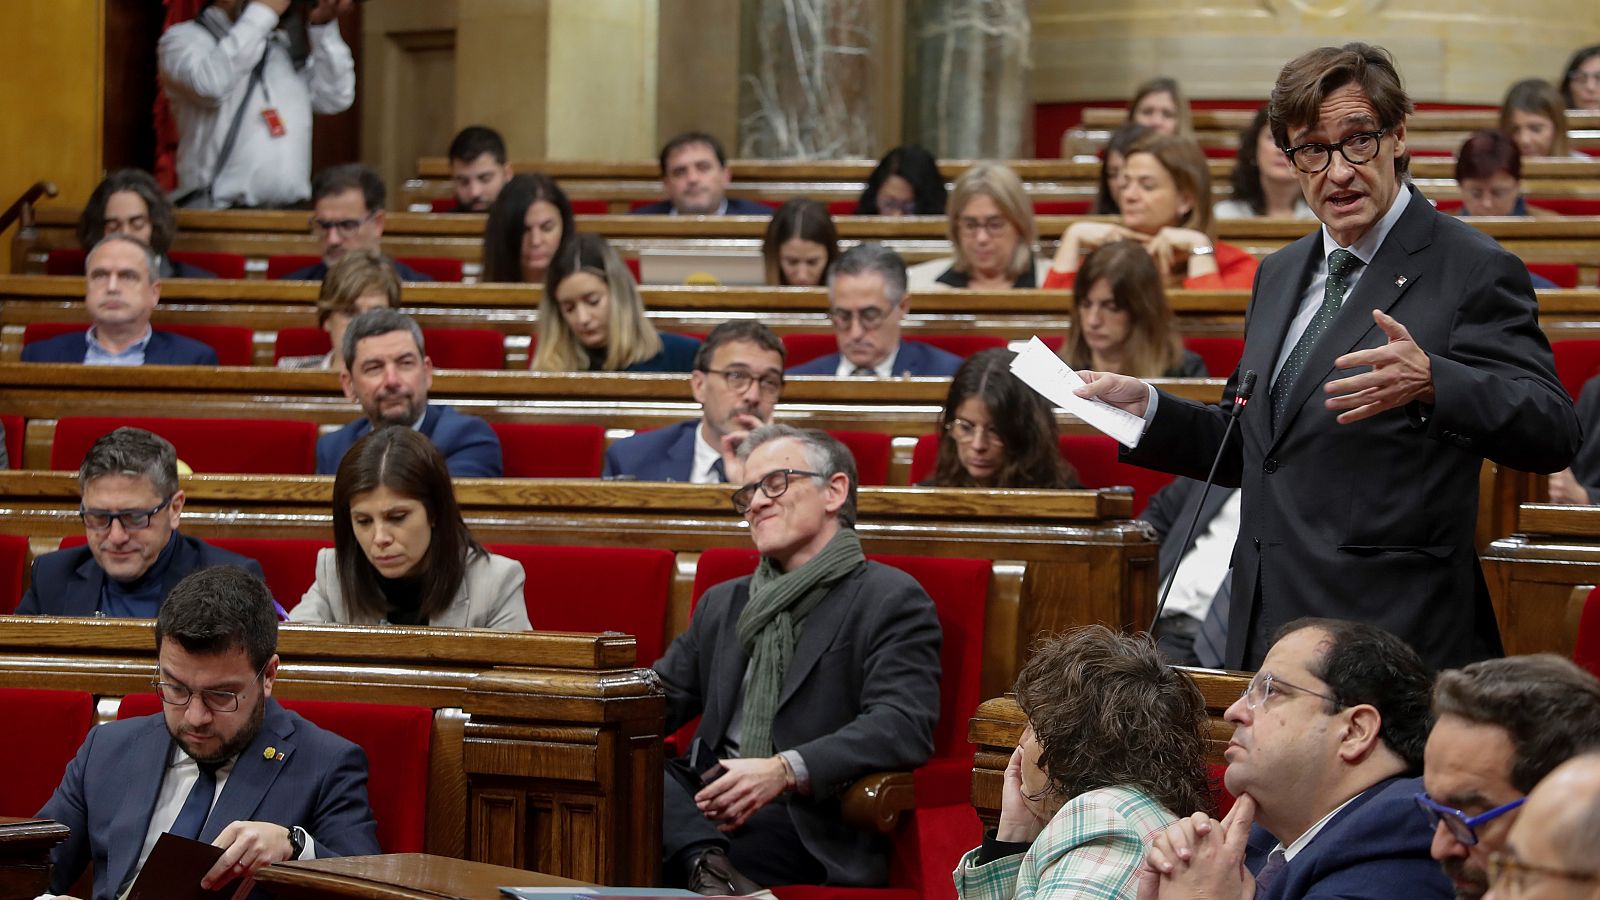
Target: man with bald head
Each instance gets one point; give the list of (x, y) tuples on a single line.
[(1550, 852)]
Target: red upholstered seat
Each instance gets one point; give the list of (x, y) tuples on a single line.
[(962, 345), (1565, 275), (301, 342), (396, 739), (1221, 354), (465, 348), (437, 268), (55, 723), (290, 564), (234, 343), (13, 571), (1095, 458), (64, 261), (1586, 649), (590, 207), (15, 427), (1577, 361), (804, 347), (541, 450), (871, 450), (283, 265), (598, 589), (253, 446), (222, 265), (842, 207), (1568, 206), (1062, 207), (442, 204)]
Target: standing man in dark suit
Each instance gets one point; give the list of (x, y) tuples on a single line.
[(123, 290), (867, 303), (1326, 745), (1397, 348), (820, 668), (134, 556), (222, 763), (694, 172), (387, 371), (738, 379)]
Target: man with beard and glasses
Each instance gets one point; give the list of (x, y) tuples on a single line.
[(222, 763), (388, 372), (738, 379), (1501, 726)]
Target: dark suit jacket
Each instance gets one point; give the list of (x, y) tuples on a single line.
[(736, 207), (1374, 520), (470, 447), (861, 695), (164, 349), (319, 271), (914, 358), (1586, 465), (1374, 849), (109, 793), (665, 454), (68, 582)]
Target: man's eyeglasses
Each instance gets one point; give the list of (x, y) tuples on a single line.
[(774, 484), (131, 519), (995, 225), (966, 432), (870, 318), (345, 227), (1266, 685), (739, 381), (216, 701), (1461, 827), (1357, 149), (1515, 873)]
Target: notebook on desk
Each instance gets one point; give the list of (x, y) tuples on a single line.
[(701, 267)]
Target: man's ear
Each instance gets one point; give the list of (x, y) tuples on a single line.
[(838, 491), (175, 508), (377, 222), (697, 386), (345, 382), (1399, 140), (269, 674), (1363, 725)]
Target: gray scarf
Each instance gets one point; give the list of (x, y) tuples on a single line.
[(769, 627)]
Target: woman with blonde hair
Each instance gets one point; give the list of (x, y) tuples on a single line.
[(1535, 117), (992, 231), (591, 318), (358, 282), (1159, 105), (1121, 321), (1166, 207)]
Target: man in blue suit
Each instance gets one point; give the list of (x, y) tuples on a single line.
[(222, 763), (388, 372), (135, 556), (738, 378), (1326, 745), (123, 291), (694, 172), (867, 302)]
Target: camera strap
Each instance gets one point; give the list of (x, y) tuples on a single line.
[(256, 77)]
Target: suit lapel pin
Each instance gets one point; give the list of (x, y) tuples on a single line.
[(269, 753), (1399, 281)]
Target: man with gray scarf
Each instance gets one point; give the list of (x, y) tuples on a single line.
[(818, 669)]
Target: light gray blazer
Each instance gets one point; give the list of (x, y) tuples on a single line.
[(489, 597)]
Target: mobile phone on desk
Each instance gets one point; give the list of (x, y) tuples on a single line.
[(700, 756)]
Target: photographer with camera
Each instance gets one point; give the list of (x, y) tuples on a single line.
[(244, 77)]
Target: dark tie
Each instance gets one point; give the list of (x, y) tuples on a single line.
[(1211, 644), (197, 806), (718, 470), (1340, 264), (864, 370), (1269, 872)]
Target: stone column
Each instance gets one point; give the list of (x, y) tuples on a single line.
[(969, 96)]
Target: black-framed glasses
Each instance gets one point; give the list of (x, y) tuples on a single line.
[(131, 519), (1358, 149), (1265, 685), (1578, 76), (1462, 827), (1515, 872), (870, 318), (216, 701), (994, 225), (739, 380), (773, 484), (966, 432), (345, 227)]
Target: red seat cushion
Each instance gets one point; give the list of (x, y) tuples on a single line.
[(301, 342), (598, 589), (1568, 206), (286, 264), (234, 344), (397, 741), (253, 446), (962, 345), (1565, 275), (465, 348), (55, 723), (1577, 361), (1062, 207), (1221, 354), (1586, 649), (15, 427), (437, 268), (64, 261), (872, 451), (290, 564), (803, 348), (222, 265), (541, 450), (1094, 456), (13, 571)]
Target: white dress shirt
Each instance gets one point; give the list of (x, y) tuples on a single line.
[(206, 80), (1199, 573), (702, 471), (885, 369)]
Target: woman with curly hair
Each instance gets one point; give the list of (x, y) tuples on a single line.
[(1115, 743), (997, 431)]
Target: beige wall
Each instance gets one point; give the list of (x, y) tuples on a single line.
[(600, 95), (50, 100)]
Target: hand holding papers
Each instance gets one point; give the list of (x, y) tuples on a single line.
[(1046, 373)]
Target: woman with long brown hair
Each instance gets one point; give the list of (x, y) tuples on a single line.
[(1121, 321), (997, 432)]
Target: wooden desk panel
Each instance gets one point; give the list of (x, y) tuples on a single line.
[(25, 846), (399, 876)]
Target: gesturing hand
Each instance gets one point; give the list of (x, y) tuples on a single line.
[(1401, 372)]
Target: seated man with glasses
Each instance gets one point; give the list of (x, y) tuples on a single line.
[(817, 670), (1501, 726), (737, 379), (134, 556), (866, 302), (1327, 741), (1550, 851), (221, 763), (347, 214)]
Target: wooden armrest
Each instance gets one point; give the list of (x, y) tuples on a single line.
[(875, 802)]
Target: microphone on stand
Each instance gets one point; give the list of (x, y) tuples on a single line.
[(1241, 399)]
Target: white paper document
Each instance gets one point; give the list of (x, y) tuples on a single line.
[(1048, 374)]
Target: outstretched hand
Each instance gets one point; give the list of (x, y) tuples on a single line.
[(1401, 372)]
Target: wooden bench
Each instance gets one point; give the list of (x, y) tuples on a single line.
[(1540, 575), (545, 749)]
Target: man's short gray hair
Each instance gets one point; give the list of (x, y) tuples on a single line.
[(375, 322), (823, 453), (135, 453), (869, 259), (152, 263)]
